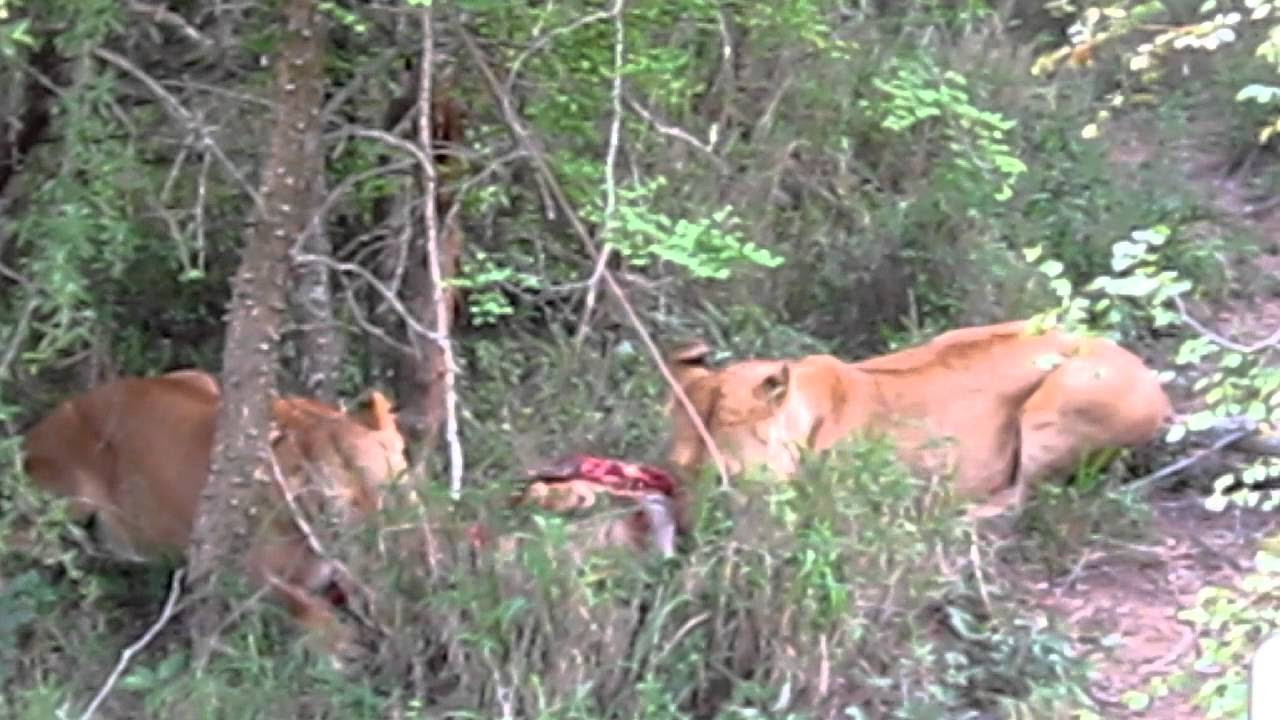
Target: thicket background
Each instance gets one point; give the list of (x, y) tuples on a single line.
[(777, 178)]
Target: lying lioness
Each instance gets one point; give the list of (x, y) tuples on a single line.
[(133, 457), (1000, 407)]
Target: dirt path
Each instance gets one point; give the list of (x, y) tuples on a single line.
[(1122, 606)]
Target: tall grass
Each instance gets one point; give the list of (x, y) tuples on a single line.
[(848, 592)]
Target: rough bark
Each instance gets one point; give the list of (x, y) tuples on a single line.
[(319, 342), (241, 451), (421, 372)]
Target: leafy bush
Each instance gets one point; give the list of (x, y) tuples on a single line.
[(848, 591)]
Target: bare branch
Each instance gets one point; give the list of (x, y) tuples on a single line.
[(300, 522), (1194, 324), (367, 69), (424, 158), (678, 132), (369, 327), (610, 173), (1187, 462), (523, 136), (165, 16), (175, 590), (342, 188), (389, 296), (439, 298), (196, 127), (543, 40)]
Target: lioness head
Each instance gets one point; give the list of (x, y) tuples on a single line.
[(359, 452), (745, 409)]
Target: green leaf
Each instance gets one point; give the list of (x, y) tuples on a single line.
[(1051, 268), (1258, 93), (1134, 286), (1135, 700), (1267, 562), (1151, 236), (1202, 420), (1125, 254)]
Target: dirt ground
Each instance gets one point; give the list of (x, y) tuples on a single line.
[(1122, 606), (1135, 595)]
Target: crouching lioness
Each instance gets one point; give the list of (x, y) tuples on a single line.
[(999, 407), (133, 456)]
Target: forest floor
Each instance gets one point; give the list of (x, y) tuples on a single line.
[(1135, 594)]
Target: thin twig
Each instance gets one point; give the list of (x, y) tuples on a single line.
[(334, 195), (424, 158), (610, 174), (357, 313), (1187, 462), (390, 297), (543, 40), (593, 288), (439, 298), (165, 16), (16, 337), (188, 119), (678, 133), (175, 590), (310, 472), (1270, 341), (523, 136)]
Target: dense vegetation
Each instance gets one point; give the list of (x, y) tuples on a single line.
[(777, 178)]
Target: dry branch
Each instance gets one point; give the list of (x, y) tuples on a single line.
[(610, 172), (188, 119), (1270, 341), (175, 590), (525, 139), (165, 16), (439, 298)]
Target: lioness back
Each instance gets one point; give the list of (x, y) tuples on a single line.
[(134, 454), (992, 406), (103, 447)]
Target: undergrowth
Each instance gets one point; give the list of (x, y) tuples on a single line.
[(848, 592)]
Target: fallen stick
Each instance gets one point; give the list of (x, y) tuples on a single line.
[(175, 589)]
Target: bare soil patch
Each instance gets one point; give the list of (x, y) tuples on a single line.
[(1121, 606)]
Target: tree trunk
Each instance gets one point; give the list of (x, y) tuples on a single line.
[(421, 373), (320, 344), (241, 451)]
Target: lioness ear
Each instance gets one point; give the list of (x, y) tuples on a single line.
[(694, 353), (378, 414), (773, 388)]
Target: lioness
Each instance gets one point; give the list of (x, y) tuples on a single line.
[(133, 457), (998, 406)]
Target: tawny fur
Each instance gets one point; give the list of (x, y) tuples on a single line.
[(134, 454), (999, 407)]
